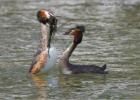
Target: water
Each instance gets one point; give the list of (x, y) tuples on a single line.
[(112, 37)]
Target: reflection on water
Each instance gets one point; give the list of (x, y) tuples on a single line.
[(112, 37), (41, 85)]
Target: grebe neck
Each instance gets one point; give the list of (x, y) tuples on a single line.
[(44, 36), (67, 53)]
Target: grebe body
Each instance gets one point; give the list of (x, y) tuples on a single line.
[(46, 56), (69, 68)]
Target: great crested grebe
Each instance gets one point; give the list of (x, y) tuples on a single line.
[(46, 55), (69, 68)]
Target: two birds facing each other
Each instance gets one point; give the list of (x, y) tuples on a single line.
[(46, 56)]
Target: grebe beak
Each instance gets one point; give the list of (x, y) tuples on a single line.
[(71, 31), (66, 33)]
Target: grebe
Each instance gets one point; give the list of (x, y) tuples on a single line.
[(69, 68), (46, 55)]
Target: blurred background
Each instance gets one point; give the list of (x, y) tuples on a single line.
[(112, 36)]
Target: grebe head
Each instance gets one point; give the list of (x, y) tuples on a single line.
[(45, 17), (77, 32)]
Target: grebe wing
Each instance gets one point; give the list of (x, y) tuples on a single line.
[(37, 52), (39, 61), (34, 60)]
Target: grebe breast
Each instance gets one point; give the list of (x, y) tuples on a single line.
[(51, 61)]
